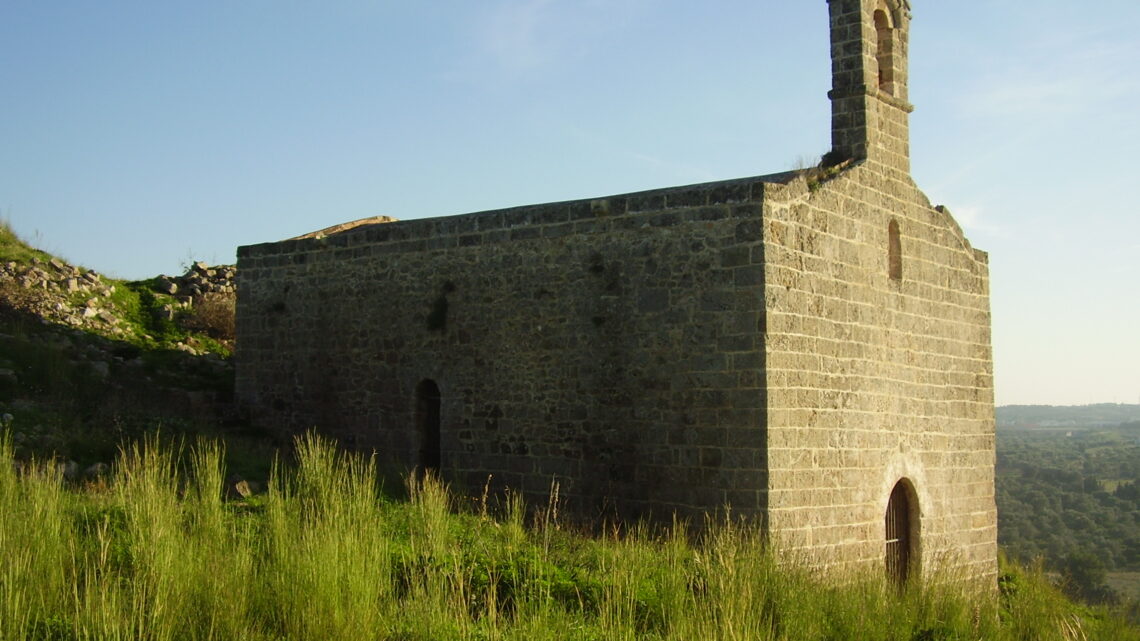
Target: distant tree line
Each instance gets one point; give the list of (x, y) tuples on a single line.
[(1099, 415), (1073, 499)]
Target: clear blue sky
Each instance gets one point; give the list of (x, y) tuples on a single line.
[(137, 135)]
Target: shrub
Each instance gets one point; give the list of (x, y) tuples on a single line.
[(213, 314)]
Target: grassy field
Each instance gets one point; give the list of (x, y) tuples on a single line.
[(154, 552), (1127, 584)]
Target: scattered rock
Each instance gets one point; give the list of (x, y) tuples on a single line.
[(239, 488), (243, 489), (69, 470), (167, 286), (200, 280), (97, 470), (101, 369), (8, 377)]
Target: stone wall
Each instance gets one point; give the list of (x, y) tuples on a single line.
[(739, 343), (613, 346), (873, 379)]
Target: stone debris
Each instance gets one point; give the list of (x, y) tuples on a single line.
[(101, 369), (167, 286), (79, 298), (201, 279), (96, 470), (69, 470), (240, 488)]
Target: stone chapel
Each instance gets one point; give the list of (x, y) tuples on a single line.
[(808, 348)]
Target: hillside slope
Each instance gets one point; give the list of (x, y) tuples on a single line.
[(88, 362)]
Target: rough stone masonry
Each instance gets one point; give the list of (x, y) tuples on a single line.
[(808, 348)]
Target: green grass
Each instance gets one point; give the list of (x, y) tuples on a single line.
[(1127, 584), (155, 553), (137, 304), (12, 248)]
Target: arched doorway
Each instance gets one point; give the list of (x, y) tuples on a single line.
[(428, 425), (901, 532)]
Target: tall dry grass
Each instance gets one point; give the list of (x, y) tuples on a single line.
[(156, 553)]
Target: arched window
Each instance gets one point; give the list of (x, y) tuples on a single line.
[(901, 532), (884, 53), (428, 425), (894, 251)]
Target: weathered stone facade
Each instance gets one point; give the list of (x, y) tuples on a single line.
[(801, 347)]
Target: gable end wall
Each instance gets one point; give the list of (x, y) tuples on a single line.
[(871, 379)]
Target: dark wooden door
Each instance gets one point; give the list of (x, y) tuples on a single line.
[(899, 543), (428, 425)]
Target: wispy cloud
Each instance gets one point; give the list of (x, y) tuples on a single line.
[(521, 35), (1022, 99), (514, 33), (1076, 76), (684, 172), (973, 219)]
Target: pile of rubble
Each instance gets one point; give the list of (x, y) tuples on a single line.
[(63, 293), (83, 299), (56, 276), (200, 280)]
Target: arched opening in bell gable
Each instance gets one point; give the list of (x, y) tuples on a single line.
[(885, 50)]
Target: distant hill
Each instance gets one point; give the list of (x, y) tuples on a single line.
[(1062, 416)]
